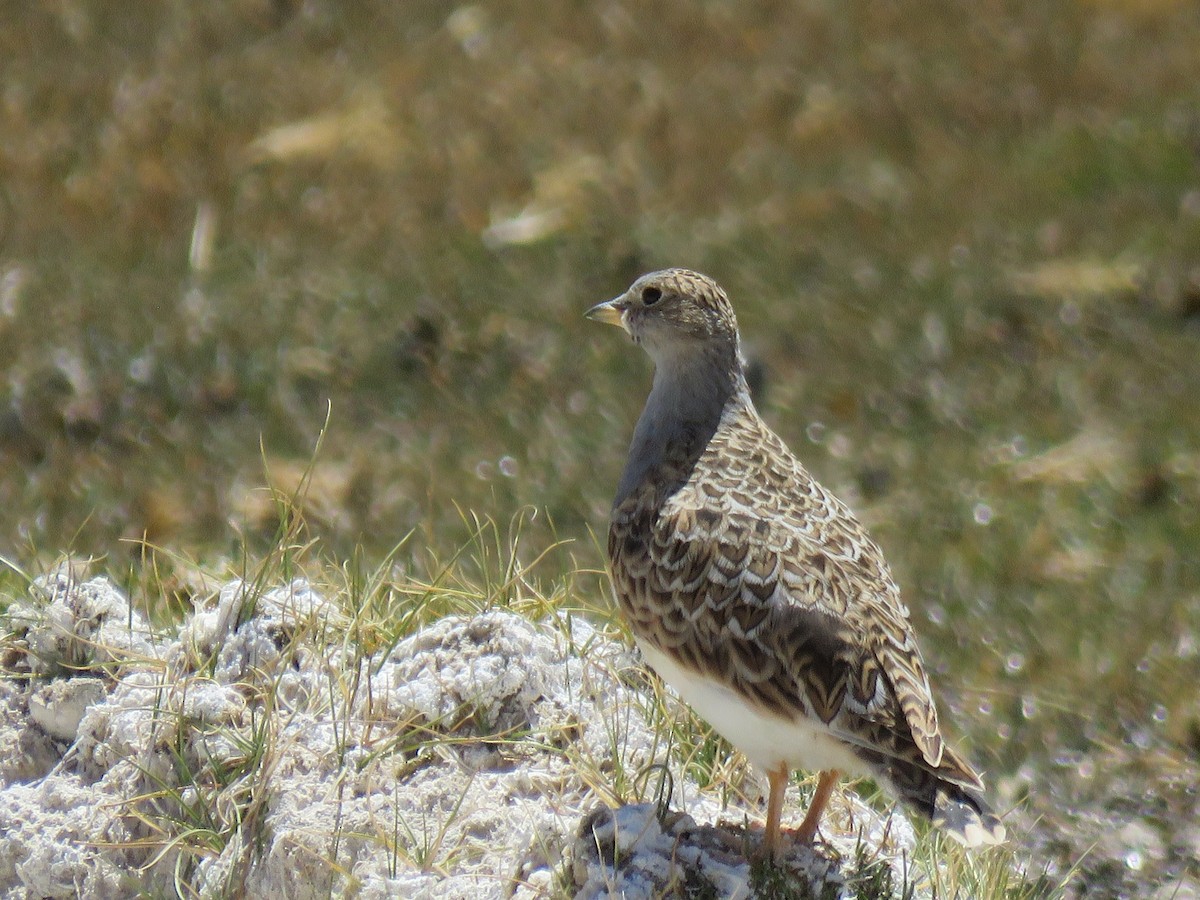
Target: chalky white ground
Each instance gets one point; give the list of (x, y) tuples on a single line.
[(95, 707)]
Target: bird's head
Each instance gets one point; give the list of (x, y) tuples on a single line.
[(673, 311)]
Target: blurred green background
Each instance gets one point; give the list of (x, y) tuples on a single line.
[(963, 241)]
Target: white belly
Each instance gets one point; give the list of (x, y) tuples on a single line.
[(766, 740)]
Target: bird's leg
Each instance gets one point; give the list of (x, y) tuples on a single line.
[(808, 828), (777, 780)]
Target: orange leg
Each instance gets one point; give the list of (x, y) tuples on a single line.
[(777, 780), (808, 828)]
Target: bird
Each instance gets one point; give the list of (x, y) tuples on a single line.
[(756, 594)]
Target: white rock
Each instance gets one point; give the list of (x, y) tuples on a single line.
[(74, 624), (58, 707)]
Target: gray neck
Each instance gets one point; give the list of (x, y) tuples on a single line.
[(686, 402)]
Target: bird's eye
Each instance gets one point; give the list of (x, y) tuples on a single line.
[(651, 295)]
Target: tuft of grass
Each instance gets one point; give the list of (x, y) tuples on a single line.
[(872, 878), (768, 879)]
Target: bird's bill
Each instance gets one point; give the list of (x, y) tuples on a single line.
[(610, 312)]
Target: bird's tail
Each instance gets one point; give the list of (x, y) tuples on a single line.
[(949, 801), (965, 816)]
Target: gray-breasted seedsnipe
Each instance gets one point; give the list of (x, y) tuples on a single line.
[(755, 593)]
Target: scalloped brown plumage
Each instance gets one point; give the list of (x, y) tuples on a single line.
[(755, 592)]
